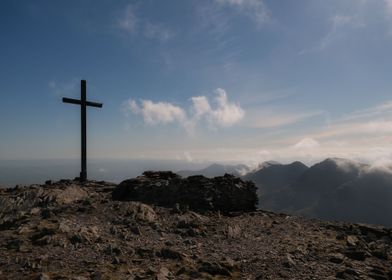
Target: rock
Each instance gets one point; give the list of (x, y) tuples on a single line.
[(168, 253), (141, 212), (96, 275), (135, 230), (163, 274), (76, 238), (112, 250), (35, 211), (65, 227), (113, 230), (116, 260), (352, 240), (9, 222), (348, 273), (336, 258), (80, 278), (234, 231), (43, 235), (87, 234), (381, 253), (379, 250), (340, 236), (288, 262), (191, 220), (46, 213), (68, 195), (214, 269), (77, 233), (146, 253), (14, 244), (356, 254), (45, 240), (43, 276), (226, 193), (378, 276)]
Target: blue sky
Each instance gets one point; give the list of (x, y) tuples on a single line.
[(220, 80)]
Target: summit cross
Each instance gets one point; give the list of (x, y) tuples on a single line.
[(83, 112)]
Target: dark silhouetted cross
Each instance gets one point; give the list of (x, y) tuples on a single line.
[(83, 106)]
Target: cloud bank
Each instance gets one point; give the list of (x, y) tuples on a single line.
[(223, 113)]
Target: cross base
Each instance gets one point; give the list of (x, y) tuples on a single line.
[(83, 177)]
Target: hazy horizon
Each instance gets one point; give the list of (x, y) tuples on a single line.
[(37, 171), (26, 172)]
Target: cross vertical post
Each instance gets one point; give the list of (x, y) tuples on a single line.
[(83, 173), (83, 124)]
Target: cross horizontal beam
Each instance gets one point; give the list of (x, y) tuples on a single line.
[(79, 102)]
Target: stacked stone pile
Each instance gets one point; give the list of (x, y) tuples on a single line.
[(225, 193)]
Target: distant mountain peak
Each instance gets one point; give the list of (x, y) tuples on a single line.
[(299, 163), (216, 169)]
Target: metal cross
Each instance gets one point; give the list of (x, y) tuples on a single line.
[(83, 106)]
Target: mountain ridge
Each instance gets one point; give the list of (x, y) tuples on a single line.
[(333, 188)]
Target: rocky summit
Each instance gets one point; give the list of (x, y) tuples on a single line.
[(154, 227)]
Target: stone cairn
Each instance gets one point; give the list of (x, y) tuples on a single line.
[(225, 193)]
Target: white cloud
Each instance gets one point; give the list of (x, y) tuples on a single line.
[(339, 25), (371, 129), (383, 164), (128, 21), (201, 106), (158, 113), (255, 9), (225, 113), (381, 109), (134, 107), (339, 20), (158, 31), (306, 144), (271, 117), (370, 122)]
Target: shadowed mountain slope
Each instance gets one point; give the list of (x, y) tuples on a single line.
[(272, 176), (337, 189), (366, 199)]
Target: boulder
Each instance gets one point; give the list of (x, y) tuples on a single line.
[(141, 212), (225, 193)]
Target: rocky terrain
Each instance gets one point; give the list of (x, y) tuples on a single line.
[(69, 230)]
